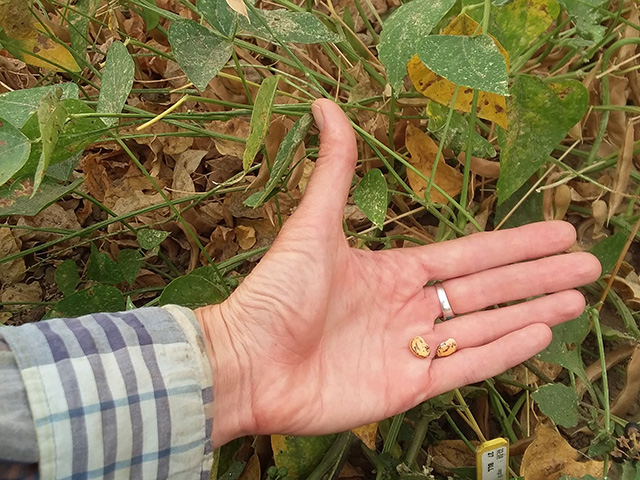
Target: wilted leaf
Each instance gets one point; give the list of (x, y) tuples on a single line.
[(21, 293), (199, 52), (283, 159), (117, 80), (287, 26), (371, 196), (550, 456), (14, 150), (540, 116), (23, 37), (18, 106), (218, 14), (75, 135), (491, 107), (67, 277), (51, 118), (100, 298), (608, 251), (129, 262), (260, 119), (186, 163), (474, 62), (17, 199), (299, 455), (401, 32), (245, 236), (559, 403), (522, 21), (423, 152), (149, 239), (627, 397), (102, 269)]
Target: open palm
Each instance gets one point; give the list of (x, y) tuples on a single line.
[(316, 339)]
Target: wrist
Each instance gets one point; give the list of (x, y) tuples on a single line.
[(232, 413)]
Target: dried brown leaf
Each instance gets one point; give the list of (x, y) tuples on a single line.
[(236, 127), (10, 272), (367, 433), (246, 237), (619, 93), (450, 454), (186, 164), (623, 171), (481, 166), (21, 293), (550, 457), (629, 393), (423, 152)]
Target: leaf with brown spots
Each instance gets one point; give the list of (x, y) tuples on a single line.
[(491, 107), (28, 40), (423, 152)]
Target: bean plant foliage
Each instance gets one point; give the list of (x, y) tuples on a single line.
[(151, 150)]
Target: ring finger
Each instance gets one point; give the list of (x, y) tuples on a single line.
[(514, 282)]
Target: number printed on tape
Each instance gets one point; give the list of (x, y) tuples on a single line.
[(493, 460)]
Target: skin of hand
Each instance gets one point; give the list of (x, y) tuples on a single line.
[(316, 338)]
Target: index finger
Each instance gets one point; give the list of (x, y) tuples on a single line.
[(484, 250)]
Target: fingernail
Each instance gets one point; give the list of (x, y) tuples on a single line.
[(317, 115)]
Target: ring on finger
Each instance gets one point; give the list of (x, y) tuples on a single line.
[(445, 305)]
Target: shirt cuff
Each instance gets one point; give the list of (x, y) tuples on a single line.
[(123, 395)]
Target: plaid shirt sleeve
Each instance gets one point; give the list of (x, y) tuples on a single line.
[(113, 395)]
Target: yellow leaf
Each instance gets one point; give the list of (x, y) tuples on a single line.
[(491, 107), (367, 433), (423, 152), (24, 37), (550, 457), (239, 7)]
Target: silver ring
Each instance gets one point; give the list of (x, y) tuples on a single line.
[(447, 311)]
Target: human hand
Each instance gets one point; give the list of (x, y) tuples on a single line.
[(316, 338)]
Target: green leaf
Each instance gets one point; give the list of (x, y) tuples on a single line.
[(79, 17), (585, 14), (67, 277), (474, 62), (402, 31), (371, 196), (218, 14), (529, 211), (76, 134), (299, 455), (564, 349), (458, 131), (540, 116), (191, 291), (149, 239), (559, 403), (260, 119), (284, 157), (150, 16), (117, 80), (608, 251), (51, 119), (14, 150), (630, 471), (199, 52), (130, 262), (287, 26), (102, 269), (18, 106), (100, 298), (18, 198), (517, 24)]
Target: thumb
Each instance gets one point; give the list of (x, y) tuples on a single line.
[(328, 188)]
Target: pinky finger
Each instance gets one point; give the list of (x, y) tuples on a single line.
[(473, 365)]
